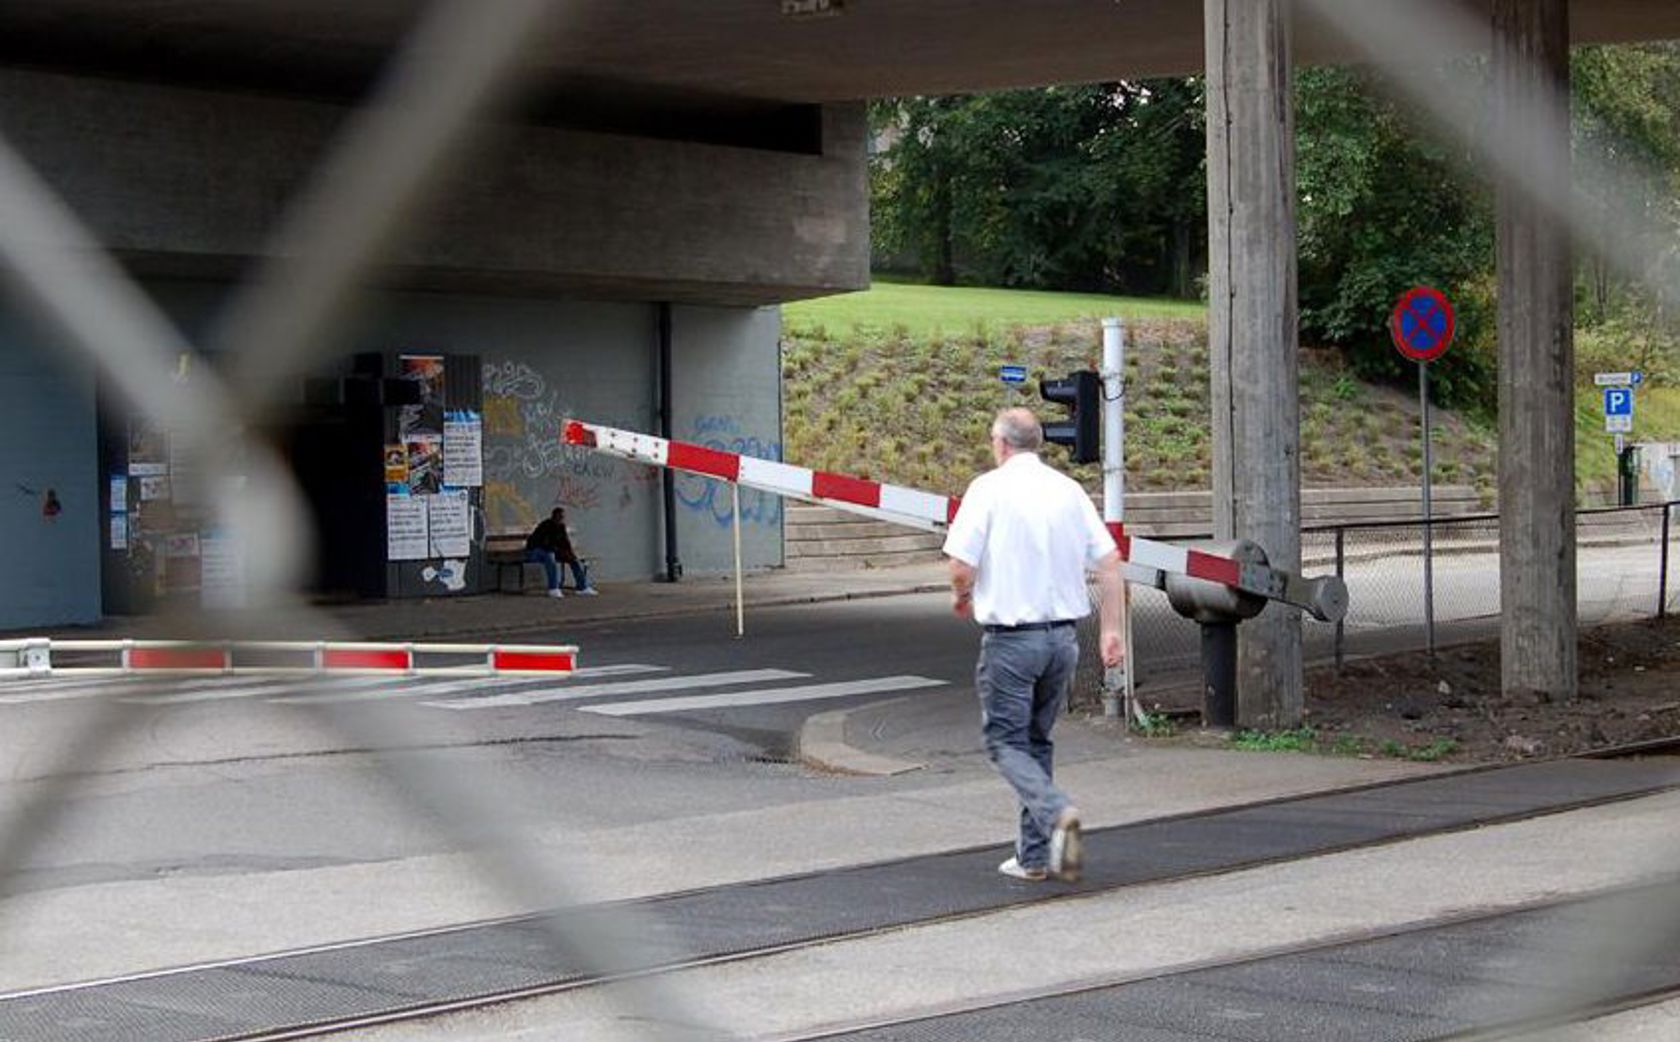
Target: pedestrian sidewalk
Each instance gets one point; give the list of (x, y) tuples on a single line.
[(493, 616)]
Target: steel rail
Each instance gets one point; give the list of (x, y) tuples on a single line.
[(427, 1009), (1321, 945)]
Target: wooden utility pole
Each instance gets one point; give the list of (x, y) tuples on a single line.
[(1252, 327)]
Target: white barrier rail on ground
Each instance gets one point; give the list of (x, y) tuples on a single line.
[(33, 657)]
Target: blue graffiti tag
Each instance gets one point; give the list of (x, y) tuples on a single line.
[(710, 497)]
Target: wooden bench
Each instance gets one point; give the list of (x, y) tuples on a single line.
[(506, 552)]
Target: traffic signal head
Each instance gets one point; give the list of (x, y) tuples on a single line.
[(1081, 392)]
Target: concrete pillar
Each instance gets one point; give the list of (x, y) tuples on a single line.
[(1252, 327), (1536, 356)]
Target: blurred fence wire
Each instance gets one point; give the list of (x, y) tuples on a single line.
[(455, 70)]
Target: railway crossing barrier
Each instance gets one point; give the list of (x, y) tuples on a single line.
[(1222, 583)]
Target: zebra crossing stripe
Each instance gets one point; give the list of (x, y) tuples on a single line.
[(433, 687), (766, 696), (225, 692), (570, 692)]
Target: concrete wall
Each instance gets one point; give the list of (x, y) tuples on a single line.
[(549, 360), (48, 440), (726, 372), (191, 182)]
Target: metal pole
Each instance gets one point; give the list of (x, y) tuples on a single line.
[(673, 564), (1428, 516), (740, 609), (1116, 689), (1662, 569), (1219, 674), (1341, 560)]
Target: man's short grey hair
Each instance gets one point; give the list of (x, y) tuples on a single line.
[(1019, 429)]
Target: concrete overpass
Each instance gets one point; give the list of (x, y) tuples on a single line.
[(677, 165)]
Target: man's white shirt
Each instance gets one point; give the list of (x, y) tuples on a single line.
[(1030, 533)]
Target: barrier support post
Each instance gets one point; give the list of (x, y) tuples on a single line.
[(740, 607), (1219, 675)]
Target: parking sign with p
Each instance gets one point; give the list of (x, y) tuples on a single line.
[(1618, 409)]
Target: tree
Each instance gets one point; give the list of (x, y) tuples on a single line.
[(1093, 187), (1626, 112), (1384, 208)]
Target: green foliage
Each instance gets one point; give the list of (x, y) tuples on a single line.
[(1088, 187), (1156, 725), (1301, 740), (1383, 209)]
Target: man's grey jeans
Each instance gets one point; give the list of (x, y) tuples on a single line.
[(1022, 679)]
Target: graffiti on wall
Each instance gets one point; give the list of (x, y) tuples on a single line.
[(528, 470), (713, 499)]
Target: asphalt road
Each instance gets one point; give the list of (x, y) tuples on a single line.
[(669, 718)]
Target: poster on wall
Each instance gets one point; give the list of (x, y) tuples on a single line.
[(426, 417), (396, 469), (221, 572), (405, 528), (144, 469), (425, 463), (463, 449), (449, 517), (119, 531), (119, 495), (154, 487)]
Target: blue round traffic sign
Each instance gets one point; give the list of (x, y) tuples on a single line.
[(1422, 324)]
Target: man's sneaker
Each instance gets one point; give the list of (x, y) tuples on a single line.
[(1013, 869), (588, 591), (556, 593), (1067, 849)]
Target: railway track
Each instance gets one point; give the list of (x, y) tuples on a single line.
[(514, 959)]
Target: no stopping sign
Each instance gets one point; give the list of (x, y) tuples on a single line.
[(1422, 324)]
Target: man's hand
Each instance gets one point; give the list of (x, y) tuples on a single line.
[(1113, 653), (962, 589)]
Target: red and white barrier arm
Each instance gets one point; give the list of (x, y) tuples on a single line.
[(905, 506), (1148, 561)]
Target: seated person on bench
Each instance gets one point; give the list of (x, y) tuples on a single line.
[(550, 545)]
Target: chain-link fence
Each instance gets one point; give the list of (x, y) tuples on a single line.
[(1623, 559)]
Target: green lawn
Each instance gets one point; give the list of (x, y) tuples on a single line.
[(924, 310)]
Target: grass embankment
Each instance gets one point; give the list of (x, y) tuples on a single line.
[(1656, 417), (900, 383)]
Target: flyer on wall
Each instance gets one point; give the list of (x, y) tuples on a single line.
[(427, 416)]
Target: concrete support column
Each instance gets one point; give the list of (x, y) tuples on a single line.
[(1536, 355), (1252, 326)]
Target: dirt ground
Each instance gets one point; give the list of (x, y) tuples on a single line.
[(1450, 708)]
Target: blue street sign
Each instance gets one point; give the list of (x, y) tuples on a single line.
[(1618, 401), (1013, 374), (1638, 377)]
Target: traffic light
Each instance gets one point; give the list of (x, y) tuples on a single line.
[(1081, 392)]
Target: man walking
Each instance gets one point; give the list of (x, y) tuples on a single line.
[(1020, 546)]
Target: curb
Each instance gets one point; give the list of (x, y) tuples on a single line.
[(692, 609), (821, 744)]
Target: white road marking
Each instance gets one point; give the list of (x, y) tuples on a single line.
[(431, 687), (156, 690), (626, 687), (767, 696)]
